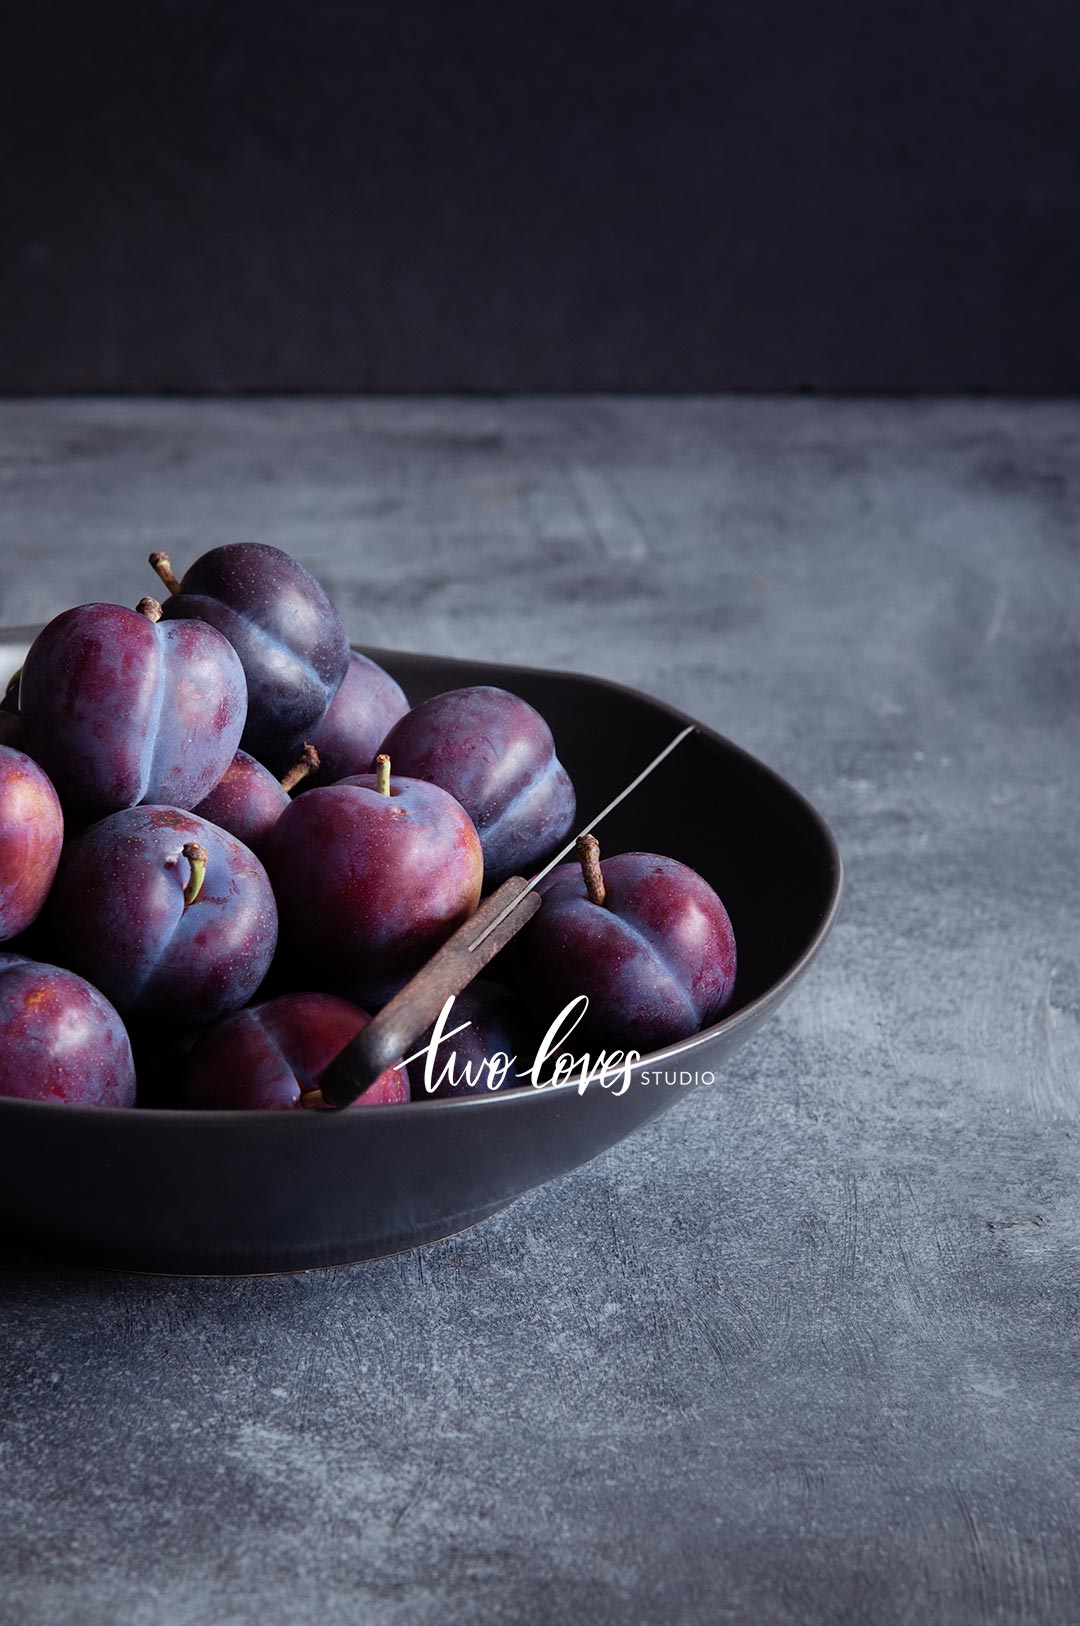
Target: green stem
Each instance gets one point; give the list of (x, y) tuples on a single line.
[(196, 857), (382, 774)]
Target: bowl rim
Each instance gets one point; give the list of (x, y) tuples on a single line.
[(503, 1100)]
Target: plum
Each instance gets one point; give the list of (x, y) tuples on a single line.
[(291, 641), (31, 836), (270, 1054), (120, 708), (361, 714), (371, 876), (465, 1064), (60, 1039), (173, 919), (645, 938), (248, 801), (495, 754)]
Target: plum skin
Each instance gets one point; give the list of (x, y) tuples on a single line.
[(119, 709), (657, 959), (117, 916), (266, 1056), (247, 801), (493, 752), (60, 1039), (359, 717), (31, 838), (369, 886), (291, 641)]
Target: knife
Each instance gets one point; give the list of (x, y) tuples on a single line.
[(414, 1008)]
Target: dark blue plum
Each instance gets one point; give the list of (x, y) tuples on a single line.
[(248, 801), (656, 957), (122, 914), (493, 752), (60, 1039), (360, 716), (370, 884), (119, 708), (290, 639)]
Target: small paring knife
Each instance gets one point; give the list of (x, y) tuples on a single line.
[(413, 1010)]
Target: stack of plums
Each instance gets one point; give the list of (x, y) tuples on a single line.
[(226, 840)]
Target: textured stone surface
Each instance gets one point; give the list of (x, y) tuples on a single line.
[(805, 1349)]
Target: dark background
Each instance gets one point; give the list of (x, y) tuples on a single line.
[(430, 196)]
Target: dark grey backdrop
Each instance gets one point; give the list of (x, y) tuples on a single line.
[(427, 195)]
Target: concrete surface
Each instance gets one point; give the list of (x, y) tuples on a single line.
[(804, 1350)]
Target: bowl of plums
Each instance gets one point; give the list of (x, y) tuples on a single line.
[(311, 954)]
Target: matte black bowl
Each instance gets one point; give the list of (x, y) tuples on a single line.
[(213, 1192)]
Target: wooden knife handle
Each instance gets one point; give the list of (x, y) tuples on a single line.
[(414, 1008)]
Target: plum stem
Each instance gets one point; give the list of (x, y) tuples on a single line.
[(382, 774), (587, 849), (150, 608), (196, 857), (163, 565), (308, 763)]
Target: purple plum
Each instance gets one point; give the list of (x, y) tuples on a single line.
[(645, 938), (31, 836), (121, 708), (371, 876), (173, 919), (269, 1055), (495, 754), (60, 1039), (291, 641), (361, 714), (248, 801), (468, 1063)]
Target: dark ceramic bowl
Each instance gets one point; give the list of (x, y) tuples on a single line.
[(213, 1192)]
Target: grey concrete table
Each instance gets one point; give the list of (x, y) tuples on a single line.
[(804, 1350)]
